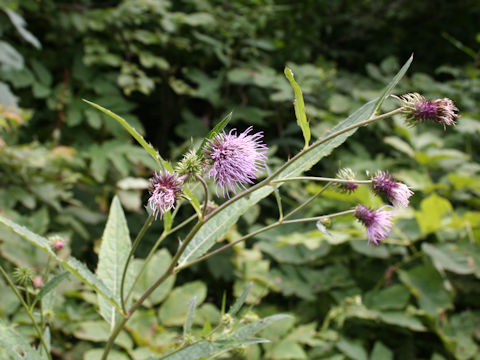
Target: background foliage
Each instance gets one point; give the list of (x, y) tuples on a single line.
[(173, 69)]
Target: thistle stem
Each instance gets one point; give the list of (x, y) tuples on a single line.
[(139, 237), (314, 178), (28, 310), (267, 181), (306, 203), (254, 233), (207, 196)]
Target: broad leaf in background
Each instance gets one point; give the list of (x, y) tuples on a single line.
[(71, 264), (15, 345), (299, 106), (114, 250)]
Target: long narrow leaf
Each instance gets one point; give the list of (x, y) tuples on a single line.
[(216, 130), (148, 147), (299, 106)]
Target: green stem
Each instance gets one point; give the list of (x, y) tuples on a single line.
[(155, 247), (266, 228), (151, 289), (139, 237), (315, 178), (308, 202), (207, 196), (28, 310)]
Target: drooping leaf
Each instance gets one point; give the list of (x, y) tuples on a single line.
[(240, 301), (114, 250), (299, 106), (192, 305), (20, 25), (71, 264)]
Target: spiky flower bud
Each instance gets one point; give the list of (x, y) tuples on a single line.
[(191, 164), (165, 189), (419, 110), (378, 223), (57, 243), (346, 174), (396, 192), (23, 276)]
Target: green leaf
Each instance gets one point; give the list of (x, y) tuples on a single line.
[(246, 331), (50, 285), (99, 331), (299, 106), (287, 350), (216, 130), (427, 285), (353, 350), (381, 352), (71, 264), (449, 257), (203, 349), (175, 309), (158, 265), (96, 354), (187, 327), (20, 25), (218, 224), (15, 345), (240, 301), (193, 200), (388, 90), (433, 210), (114, 251), (148, 147)]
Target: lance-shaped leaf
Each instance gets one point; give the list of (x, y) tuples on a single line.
[(299, 106), (216, 130), (71, 264), (114, 250), (218, 224), (135, 134)]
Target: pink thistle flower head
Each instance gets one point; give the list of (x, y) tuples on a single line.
[(234, 160), (419, 110), (165, 189), (378, 223), (396, 192), (37, 281)]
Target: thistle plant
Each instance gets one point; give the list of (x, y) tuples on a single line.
[(236, 163)]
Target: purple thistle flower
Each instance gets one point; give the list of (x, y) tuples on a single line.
[(396, 192), (165, 188), (378, 223), (235, 160), (418, 110)]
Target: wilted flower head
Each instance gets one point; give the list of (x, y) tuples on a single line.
[(346, 174), (418, 110), (235, 160), (378, 222), (165, 188), (396, 192)]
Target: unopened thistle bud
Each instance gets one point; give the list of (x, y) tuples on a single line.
[(23, 276), (396, 192), (346, 174), (164, 191), (191, 164), (419, 110), (378, 223), (37, 282), (57, 243)]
